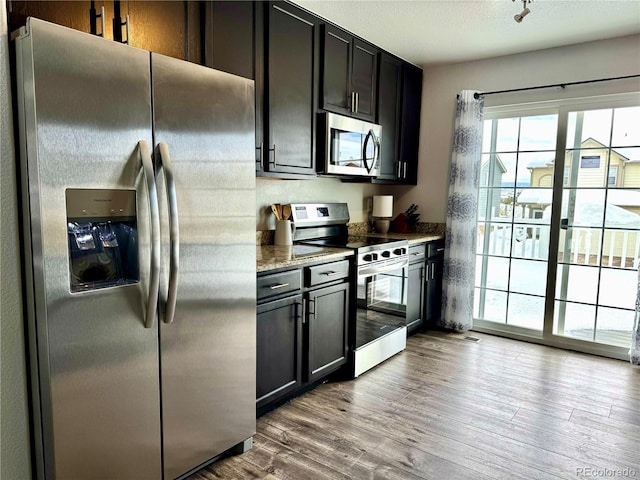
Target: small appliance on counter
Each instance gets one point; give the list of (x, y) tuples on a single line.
[(379, 330)]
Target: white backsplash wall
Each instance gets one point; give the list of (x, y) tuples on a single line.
[(319, 190)]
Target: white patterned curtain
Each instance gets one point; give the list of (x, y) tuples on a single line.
[(462, 212), (634, 352)]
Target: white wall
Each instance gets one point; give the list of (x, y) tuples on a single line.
[(14, 424), (601, 59)]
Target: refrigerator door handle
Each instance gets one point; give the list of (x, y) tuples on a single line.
[(154, 277), (174, 232)]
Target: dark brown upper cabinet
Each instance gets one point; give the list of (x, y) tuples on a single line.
[(290, 91), (349, 71), (409, 135), (389, 103), (169, 28), (230, 40), (399, 99)]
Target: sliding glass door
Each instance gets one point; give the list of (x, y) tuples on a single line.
[(599, 237), (558, 237)]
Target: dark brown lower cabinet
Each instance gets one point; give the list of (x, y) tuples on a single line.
[(302, 332), (415, 296), (279, 349), (327, 314), (433, 281)]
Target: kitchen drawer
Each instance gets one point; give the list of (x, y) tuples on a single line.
[(435, 248), (279, 283), (327, 272), (417, 253)]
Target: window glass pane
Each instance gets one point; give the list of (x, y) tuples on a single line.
[(525, 311), (591, 168), (583, 207), (614, 326), (578, 320), (528, 276), (499, 239), (618, 288), (495, 305), (507, 139), (581, 284), (596, 125), (625, 127), (497, 272), (505, 170), (621, 247), (490, 205), (583, 248), (534, 204), (538, 132), (628, 166), (530, 241), (535, 169)]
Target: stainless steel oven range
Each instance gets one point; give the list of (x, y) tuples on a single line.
[(379, 330)]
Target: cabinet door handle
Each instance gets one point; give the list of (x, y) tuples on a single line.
[(418, 254), (261, 157), (357, 101), (330, 274), (275, 159), (278, 285), (353, 102), (404, 170), (303, 307), (315, 308), (440, 249), (399, 174), (433, 271)]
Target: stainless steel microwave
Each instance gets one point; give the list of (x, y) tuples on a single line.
[(348, 146)]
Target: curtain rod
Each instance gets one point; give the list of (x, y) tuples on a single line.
[(561, 85)]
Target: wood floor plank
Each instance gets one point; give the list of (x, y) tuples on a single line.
[(448, 408)]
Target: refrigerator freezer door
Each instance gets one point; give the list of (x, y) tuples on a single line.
[(206, 119), (85, 104)]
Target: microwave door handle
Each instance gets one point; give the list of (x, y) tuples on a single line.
[(378, 147), (154, 273), (364, 150), (174, 232)]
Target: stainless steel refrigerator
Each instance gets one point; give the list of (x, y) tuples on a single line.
[(138, 185)]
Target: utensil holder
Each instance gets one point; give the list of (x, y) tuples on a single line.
[(284, 233)]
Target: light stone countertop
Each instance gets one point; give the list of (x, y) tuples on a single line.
[(272, 257)]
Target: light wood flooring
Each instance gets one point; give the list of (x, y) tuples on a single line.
[(448, 409)]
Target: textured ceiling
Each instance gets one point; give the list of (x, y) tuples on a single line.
[(430, 32)]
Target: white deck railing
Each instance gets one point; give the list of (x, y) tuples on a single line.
[(531, 241)]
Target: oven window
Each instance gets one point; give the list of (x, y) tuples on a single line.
[(382, 305)]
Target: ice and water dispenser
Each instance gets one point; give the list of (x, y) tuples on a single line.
[(102, 238)]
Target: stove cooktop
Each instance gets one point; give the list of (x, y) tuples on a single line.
[(352, 241)]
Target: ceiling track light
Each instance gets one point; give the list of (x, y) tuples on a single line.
[(525, 11)]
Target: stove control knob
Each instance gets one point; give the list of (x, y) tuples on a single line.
[(370, 257), (386, 254), (399, 251)]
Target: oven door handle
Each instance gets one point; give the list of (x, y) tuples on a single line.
[(370, 271)]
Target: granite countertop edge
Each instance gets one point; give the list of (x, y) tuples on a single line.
[(273, 257)]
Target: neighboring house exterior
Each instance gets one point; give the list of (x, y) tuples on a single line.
[(621, 243), (622, 172)]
